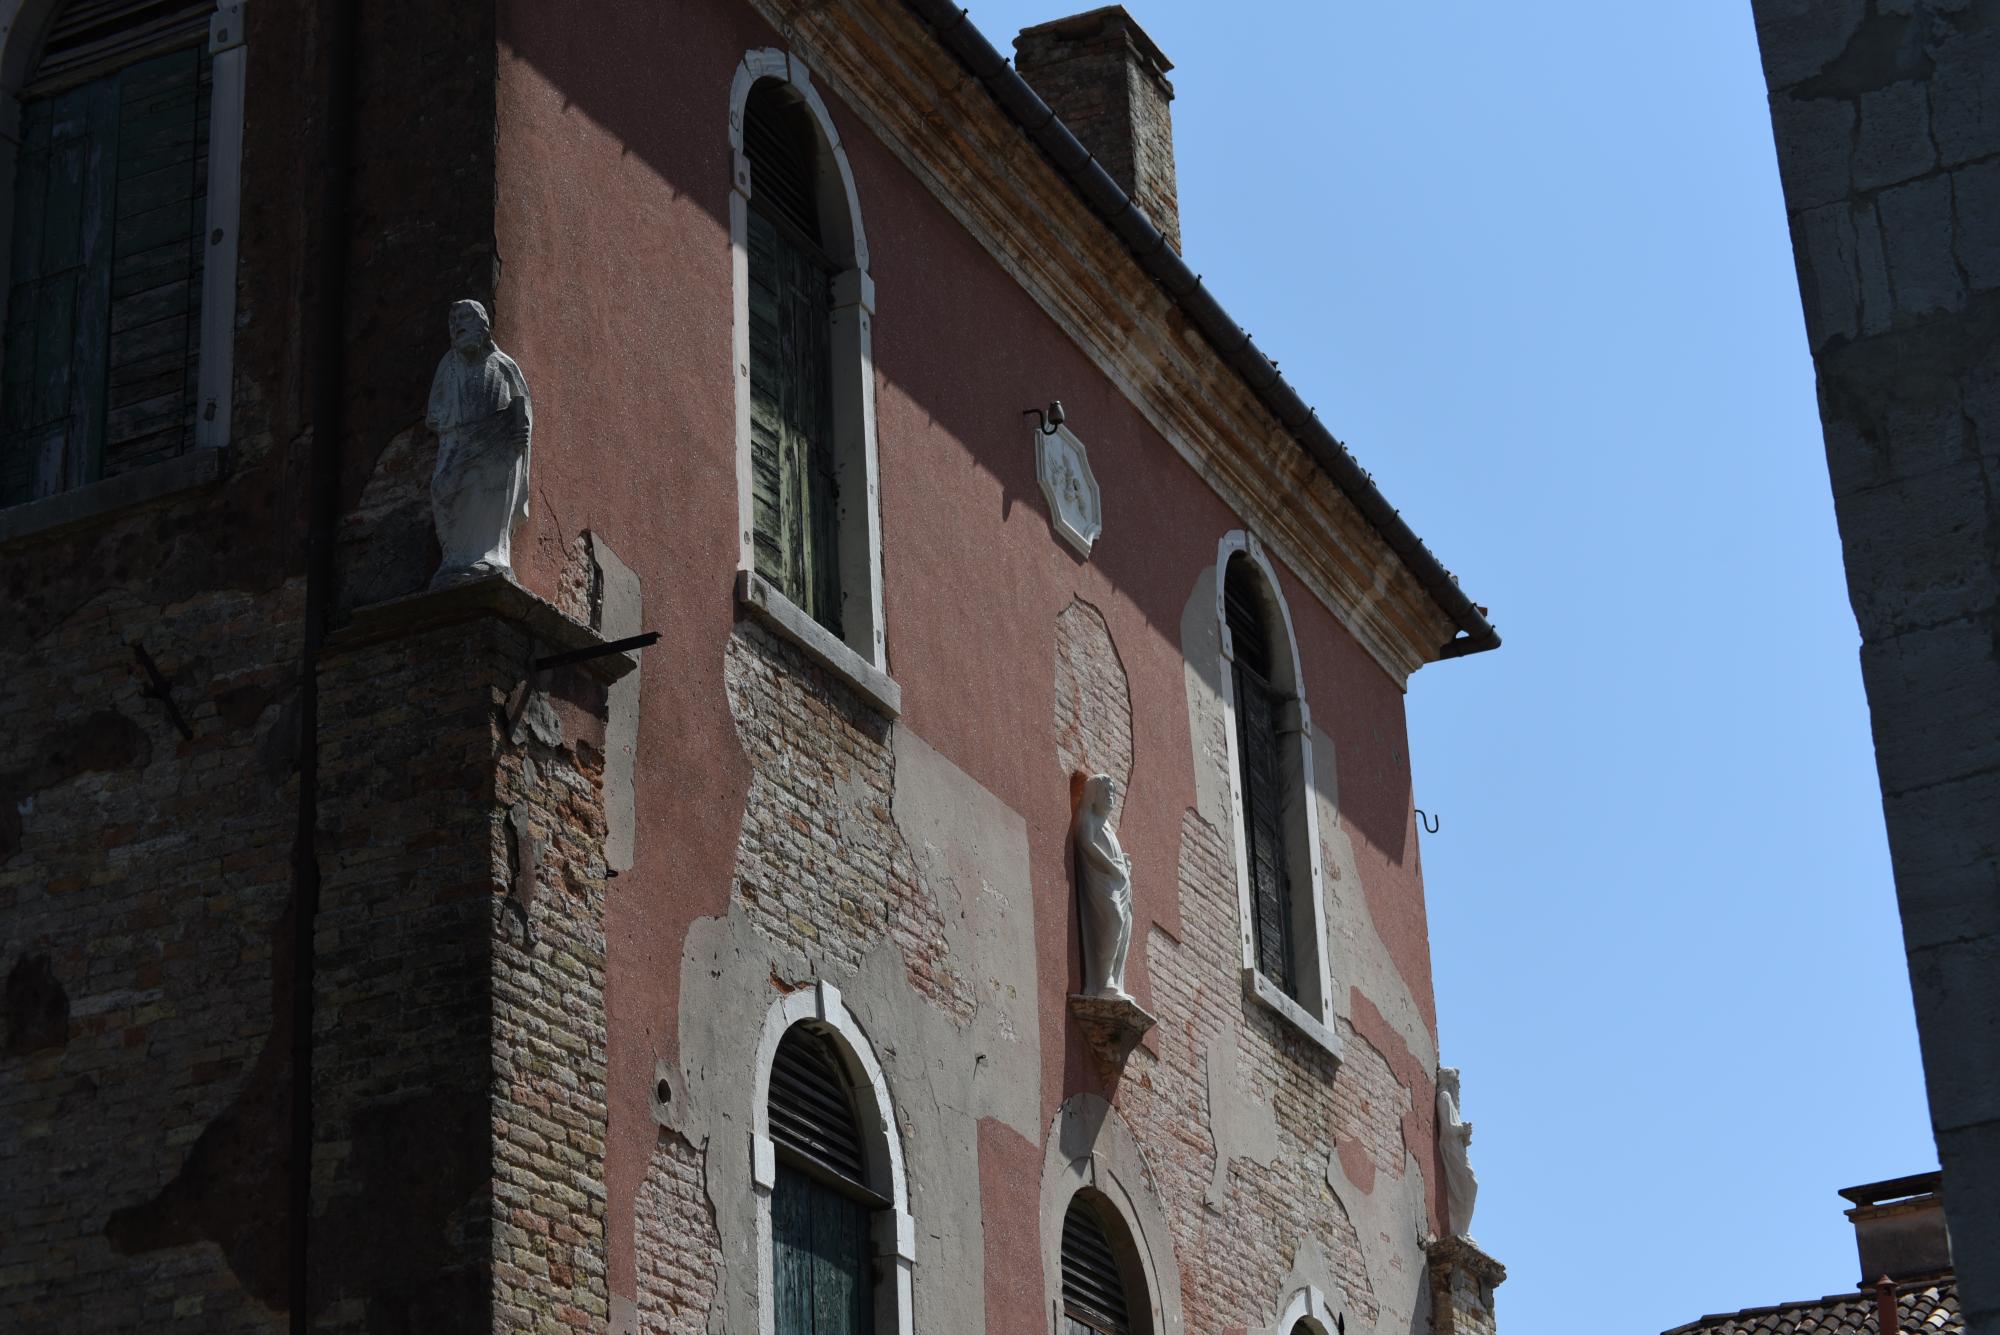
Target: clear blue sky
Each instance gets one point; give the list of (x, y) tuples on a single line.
[(1530, 262)]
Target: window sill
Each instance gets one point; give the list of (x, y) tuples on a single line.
[(1272, 997), (97, 500), (788, 619)]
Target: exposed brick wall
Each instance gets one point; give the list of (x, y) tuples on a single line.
[(1093, 705), (459, 1018), (1234, 1261), (680, 1252), (143, 889), (1105, 78), (820, 863)]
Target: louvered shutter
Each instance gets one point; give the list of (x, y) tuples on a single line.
[(98, 373), (1094, 1300), (822, 1268), (794, 495), (1260, 756)]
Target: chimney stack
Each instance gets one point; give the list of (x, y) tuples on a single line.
[(1105, 78), (1899, 1228)]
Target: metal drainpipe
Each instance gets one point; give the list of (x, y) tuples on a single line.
[(322, 508)]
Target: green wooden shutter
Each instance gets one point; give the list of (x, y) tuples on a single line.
[(794, 489), (98, 372), (155, 324), (59, 291), (823, 1276)]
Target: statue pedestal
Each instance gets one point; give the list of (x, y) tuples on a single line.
[(1113, 1026), (1462, 1283)]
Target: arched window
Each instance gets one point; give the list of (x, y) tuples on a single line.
[(1277, 824), (122, 240), (1095, 1300), (822, 1245), (811, 534), (837, 1241)]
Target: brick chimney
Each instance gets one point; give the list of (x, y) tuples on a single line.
[(1899, 1228), (1105, 78)]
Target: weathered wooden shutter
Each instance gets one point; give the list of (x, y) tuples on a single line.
[(1260, 755), (794, 494), (1093, 1289), (99, 369), (822, 1266)]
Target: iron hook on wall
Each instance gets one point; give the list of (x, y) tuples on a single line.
[(1051, 421), (1430, 823)]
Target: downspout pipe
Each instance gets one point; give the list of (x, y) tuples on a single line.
[(329, 336), (960, 36)]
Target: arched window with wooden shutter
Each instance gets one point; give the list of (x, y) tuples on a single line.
[(823, 1204), (110, 243), (1261, 760), (1095, 1278)]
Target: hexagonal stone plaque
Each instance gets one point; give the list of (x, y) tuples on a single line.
[(1076, 507)]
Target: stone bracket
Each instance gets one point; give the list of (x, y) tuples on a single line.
[(1112, 1026)]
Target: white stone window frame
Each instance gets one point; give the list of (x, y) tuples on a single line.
[(820, 1004), (860, 657), (22, 24), (1312, 1015), (1308, 1306), (1092, 1149)]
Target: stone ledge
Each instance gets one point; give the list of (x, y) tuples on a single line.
[(491, 596), (788, 619), (1273, 998), (127, 491), (1113, 1026), (1462, 1253)]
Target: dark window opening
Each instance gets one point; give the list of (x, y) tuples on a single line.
[(822, 1209), (1093, 1283), (98, 367), (1261, 758), (795, 495)]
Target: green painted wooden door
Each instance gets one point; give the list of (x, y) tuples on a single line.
[(821, 1266)]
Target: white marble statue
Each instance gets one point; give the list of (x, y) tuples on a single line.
[(1454, 1139), (479, 408), (1104, 886)]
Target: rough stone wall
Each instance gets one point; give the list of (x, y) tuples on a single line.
[(820, 864), (1887, 120), (1462, 1280), (1108, 82)]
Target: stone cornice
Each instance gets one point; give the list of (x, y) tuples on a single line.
[(882, 61)]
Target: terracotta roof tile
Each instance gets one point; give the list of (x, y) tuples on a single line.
[(1926, 1307)]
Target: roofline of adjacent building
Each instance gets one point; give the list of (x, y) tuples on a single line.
[(1103, 195), (1901, 1287)]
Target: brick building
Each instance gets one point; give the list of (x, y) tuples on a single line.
[(387, 957), (1887, 122)]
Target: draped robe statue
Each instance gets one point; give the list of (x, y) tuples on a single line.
[(1104, 885), (480, 411), (1454, 1139)]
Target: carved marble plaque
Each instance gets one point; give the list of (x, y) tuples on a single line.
[(1076, 508)]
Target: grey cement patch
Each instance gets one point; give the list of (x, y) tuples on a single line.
[(971, 850), (1244, 1127), (619, 613)]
